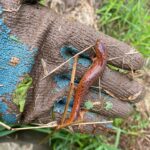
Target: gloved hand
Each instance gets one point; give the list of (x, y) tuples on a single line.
[(31, 35)]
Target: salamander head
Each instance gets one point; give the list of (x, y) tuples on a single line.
[(100, 48)]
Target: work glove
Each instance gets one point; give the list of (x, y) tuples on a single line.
[(34, 42)]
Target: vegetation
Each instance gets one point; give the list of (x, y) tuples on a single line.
[(128, 21)]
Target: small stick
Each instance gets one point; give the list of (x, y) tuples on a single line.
[(96, 87), (44, 67), (88, 123), (5, 126), (54, 124), (71, 89), (75, 124), (50, 125), (67, 61), (30, 128), (99, 93), (12, 10), (129, 53), (85, 123)]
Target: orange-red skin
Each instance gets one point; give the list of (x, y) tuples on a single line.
[(94, 73)]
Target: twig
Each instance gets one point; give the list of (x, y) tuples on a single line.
[(12, 10), (71, 89), (5, 126), (96, 87), (49, 125), (67, 61), (99, 92), (129, 53), (44, 67), (88, 123)]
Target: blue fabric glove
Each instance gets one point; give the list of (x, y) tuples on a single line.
[(33, 36)]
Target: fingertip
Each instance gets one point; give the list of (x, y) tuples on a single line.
[(136, 97), (138, 61)]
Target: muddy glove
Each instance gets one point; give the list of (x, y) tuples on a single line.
[(34, 41)]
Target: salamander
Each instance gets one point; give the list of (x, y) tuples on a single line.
[(93, 73)]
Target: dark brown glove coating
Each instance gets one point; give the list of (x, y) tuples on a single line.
[(45, 30)]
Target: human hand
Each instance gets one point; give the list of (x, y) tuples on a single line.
[(53, 39)]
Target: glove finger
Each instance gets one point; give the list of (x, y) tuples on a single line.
[(58, 91), (115, 83), (73, 36), (57, 32), (101, 103), (80, 36), (86, 116), (95, 119), (98, 113), (47, 91), (121, 86)]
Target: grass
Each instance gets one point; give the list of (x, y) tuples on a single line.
[(66, 140), (79, 141), (128, 21)]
